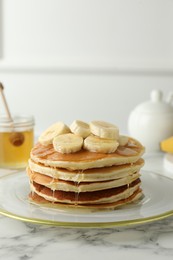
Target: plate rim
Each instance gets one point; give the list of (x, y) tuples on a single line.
[(122, 223), (71, 224)]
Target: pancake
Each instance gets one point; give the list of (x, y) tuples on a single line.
[(55, 184), (87, 198), (84, 159), (39, 200), (90, 175), (85, 178)]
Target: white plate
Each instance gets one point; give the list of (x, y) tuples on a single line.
[(156, 204)]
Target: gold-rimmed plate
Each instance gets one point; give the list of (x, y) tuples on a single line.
[(156, 204)]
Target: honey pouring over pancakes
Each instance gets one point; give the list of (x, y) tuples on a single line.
[(85, 165)]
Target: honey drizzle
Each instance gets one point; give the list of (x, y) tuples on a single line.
[(77, 183), (31, 182), (76, 194), (53, 188)]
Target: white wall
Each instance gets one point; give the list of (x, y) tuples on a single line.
[(68, 97), (86, 59), (88, 33)]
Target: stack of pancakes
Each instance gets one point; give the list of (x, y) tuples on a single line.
[(86, 179)]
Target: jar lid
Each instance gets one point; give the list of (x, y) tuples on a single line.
[(156, 104)]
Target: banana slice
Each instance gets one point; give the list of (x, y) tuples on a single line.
[(54, 130), (68, 143), (104, 130), (100, 145), (80, 128), (123, 140)]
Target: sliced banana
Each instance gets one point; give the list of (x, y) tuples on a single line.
[(104, 130), (68, 143), (100, 145), (80, 128), (123, 140), (54, 130)]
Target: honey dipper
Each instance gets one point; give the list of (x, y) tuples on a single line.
[(16, 138)]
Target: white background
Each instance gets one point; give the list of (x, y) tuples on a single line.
[(84, 59)]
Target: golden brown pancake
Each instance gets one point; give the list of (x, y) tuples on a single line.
[(90, 175), (57, 184), (86, 179), (102, 198), (84, 159)]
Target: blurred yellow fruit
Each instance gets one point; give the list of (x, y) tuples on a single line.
[(167, 145)]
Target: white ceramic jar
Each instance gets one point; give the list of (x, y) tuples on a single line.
[(152, 121)]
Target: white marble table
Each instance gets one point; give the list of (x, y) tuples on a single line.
[(23, 241)]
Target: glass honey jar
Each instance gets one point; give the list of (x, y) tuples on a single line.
[(16, 141)]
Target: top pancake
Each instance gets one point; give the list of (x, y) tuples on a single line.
[(84, 159)]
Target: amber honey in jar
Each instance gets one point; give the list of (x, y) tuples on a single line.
[(16, 141)]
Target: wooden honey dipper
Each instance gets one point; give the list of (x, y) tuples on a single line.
[(16, 138)]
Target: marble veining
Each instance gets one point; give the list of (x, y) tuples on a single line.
[(23, 241)]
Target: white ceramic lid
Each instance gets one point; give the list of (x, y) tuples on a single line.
[(156, 105)]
